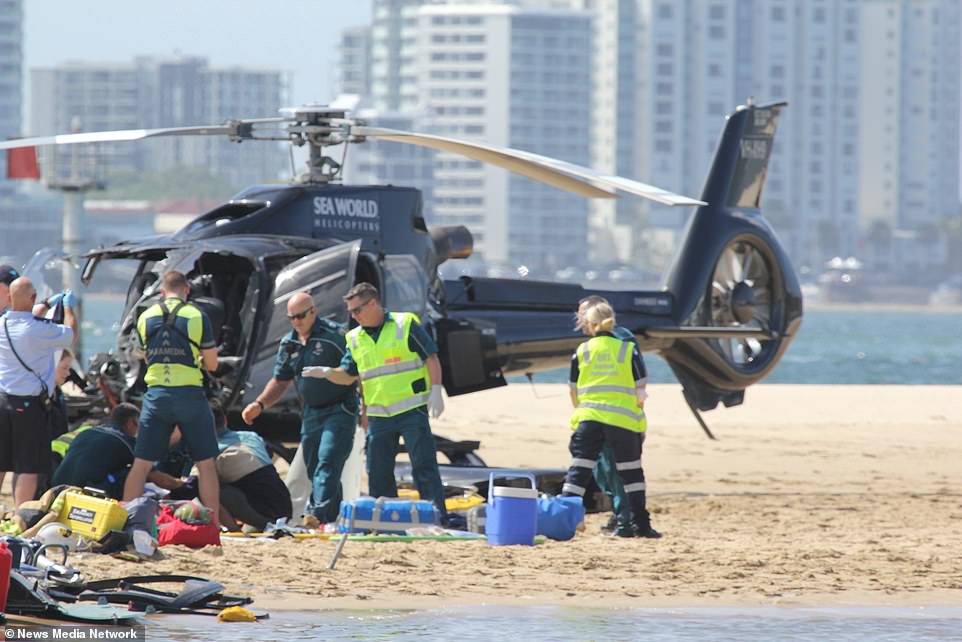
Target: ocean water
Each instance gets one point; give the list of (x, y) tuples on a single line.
[(550, 623), (833, 347), (854, 347)]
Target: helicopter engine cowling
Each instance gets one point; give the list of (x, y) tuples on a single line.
[(452, 242)]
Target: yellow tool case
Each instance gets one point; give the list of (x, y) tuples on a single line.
[(92, 517)]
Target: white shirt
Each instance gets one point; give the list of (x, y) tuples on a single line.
[(36, 341)]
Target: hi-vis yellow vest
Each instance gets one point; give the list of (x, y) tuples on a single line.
[(388, 368), (172, 342), (606, 387), (61, 444)]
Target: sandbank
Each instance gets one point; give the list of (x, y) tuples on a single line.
[(812, 496)]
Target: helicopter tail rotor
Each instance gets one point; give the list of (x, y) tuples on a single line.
[(747, 294)]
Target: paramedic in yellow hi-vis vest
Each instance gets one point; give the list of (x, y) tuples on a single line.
[(608, 393), (177, 338), (397, 364)]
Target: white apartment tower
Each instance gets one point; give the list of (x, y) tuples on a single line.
[(909, 115), (700, 58), (393, 42), (871, 135), (354, 62), (512, 77), (808, 53), (613, 120)]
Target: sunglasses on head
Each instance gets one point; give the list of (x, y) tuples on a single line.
[(357, 308), (300, 315)]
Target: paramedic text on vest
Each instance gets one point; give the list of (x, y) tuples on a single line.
[(177, 339), (608, 409), (329, 415), (397, 364)]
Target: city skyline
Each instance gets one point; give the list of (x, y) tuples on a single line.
[(867, 161), (56, 32), (675, 131)]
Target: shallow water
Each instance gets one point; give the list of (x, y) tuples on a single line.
[(832, 347), (769, 624), (860, 347)]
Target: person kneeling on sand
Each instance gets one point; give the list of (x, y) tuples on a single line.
[(607, 391), (100, 457), (251, 491)]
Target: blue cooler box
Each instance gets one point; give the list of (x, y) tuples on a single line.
[(386, 515)]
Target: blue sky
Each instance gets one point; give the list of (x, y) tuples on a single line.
[(289, 35)]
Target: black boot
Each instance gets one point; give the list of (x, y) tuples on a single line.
[(611, 525), (642, 527)]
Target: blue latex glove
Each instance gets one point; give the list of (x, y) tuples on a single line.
[(68, 297)]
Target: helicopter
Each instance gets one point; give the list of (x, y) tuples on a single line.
[(727, 310)]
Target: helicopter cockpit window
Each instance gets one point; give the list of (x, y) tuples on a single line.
[(405, 285)]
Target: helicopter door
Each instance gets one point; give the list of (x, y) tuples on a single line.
[(327, 275)]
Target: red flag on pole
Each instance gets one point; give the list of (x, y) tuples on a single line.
[(22, 163)]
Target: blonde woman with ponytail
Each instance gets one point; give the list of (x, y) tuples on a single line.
[(608, 392)]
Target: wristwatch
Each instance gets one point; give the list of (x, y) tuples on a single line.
[(260, 403)]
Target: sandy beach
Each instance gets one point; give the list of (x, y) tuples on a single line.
[(812, 495)]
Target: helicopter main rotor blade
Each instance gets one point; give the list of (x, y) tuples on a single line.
[(567, 176), (116, 136)]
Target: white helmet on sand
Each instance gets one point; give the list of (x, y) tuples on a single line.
[(57, 534)]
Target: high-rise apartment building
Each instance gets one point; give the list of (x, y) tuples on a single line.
[(512, 77), (354, 62), (867, 150), (808, 53), (393, 43), (28, 224), (11, 63), (871, 135), (613, 121), (908, 153), (149, 93)]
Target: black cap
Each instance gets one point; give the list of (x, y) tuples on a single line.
[(8, 274)]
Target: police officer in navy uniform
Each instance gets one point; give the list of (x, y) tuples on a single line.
[(330, 410), (27, 379), (177, 338)]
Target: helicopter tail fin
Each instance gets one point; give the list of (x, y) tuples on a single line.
[(730, 258), (738, 171)]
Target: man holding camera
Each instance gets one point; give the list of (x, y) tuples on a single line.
[(27, 371)]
